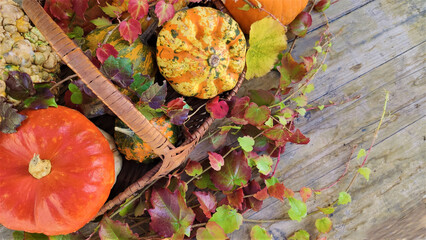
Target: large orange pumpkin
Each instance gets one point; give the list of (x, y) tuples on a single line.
[(201, 52), (56, 172), (284, 10)]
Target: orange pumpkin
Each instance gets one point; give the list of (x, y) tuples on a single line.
[(284, 10)]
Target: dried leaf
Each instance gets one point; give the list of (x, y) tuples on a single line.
[(10, 119), (262, 194)]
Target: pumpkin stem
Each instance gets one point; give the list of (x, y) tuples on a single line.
[(214, 60), (39, 168)]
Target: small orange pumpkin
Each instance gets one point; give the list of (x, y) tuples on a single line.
[(285, 10)]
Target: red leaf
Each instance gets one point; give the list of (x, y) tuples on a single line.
[(298, 138), (238, 110), (193, 168), (106, 50), (217, 109), (177, 103), (278, 133), (251, 202), (80, 6), (262, 194), (322, 5), (130, 30), (169, 214), (235, 198), (235, 172), (138, 8), (207, 202), (164, 11), (216, 160), (256, 115), (305, 193), (288, 192), (291, 71), (211, 231), (277, 191), (309, 63), (59, 8), (300, 24)]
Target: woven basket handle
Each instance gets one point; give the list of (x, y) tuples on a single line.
[(74, 57)]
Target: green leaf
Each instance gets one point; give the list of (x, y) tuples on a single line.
[(267, 40), (321, 107), (111, 11), (259, 233), (193, 168), (118, 70), (300, 235), (365, 171), (282, 120), (115, 230), (227, 218), (298, 209), (323, 224), (246, 143), (344, 198), (77, 98), (212, 231), (361, 153), (301, 111), (128, 208), (32, 236), (327, 210), (141, 83), (309, 88), (269, 122), (101, 22), (264, 164), (324, 67), (271, 181), (256, 115), (301, 100), (246, 7), (18, 235), (318, 49), (140, 208), (77, 32)]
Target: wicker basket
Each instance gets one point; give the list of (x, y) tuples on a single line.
[(172, 157)]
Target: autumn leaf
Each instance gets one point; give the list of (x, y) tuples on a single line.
[(264, 164), (267, 40), (323, 225), (169, 214), (344, 198), (327, 210), (193, 168), (43, 98), (261, 97), (235, 172), (80, 7), (212, 231), (178, 110), (298, 209), (238, 110), (164, 11), (118, 70), (216, 160), (300, 24), (299, 138), (253, 203), (138, 8), (101, 22), (227, 218), (218, 139), (115, 230), (207, 202), (278, 133), (141, 83), (204, 181), (259, 233), (246, 143), (235, 198), (256, 115), (155, 95), (59, 8), (277, 191), (130, 30), (291, 71), (19, 85), (300, 235), (217, 109), (305, 193), (262, 194), (106, 50), (112, 11)]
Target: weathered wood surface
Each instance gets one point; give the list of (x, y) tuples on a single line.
[(381, 47)]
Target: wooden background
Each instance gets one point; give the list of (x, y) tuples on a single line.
[(381, 47)]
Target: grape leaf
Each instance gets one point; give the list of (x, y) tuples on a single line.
[(267, 40), (43, 97), (212, 231), (164, 11), (19, 85), (177, 111), (10, 119), (278, 133), (259, 233), (227, 218), (112, 11), (365, 171), (361, 153), (101, 22), (207, 202), (217, 109), (235, 172), (251, 202), (238, 110), (204, 181), (301, 100), (327, 210), (323, 224), (322, 5), (106, 50), (155, 95), (299, 138), (130, 30), (301, 111), (141, 83), (235, 198), (300, 24), (216, 160), (261, 97), (80, 6), (115, 230), (298, 209), (344, 198), (264, 164), (271, 181), (277, 191), (59, 8), (246, 143), (169, 214), (300, 235), (118, 70), (256, 115), (305, 193), (291, 71), (193, 168), (262, 194), (77, 32), (138, 8)]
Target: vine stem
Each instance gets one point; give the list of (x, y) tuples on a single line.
[(192, 114), (265, 221), (62, 81)]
